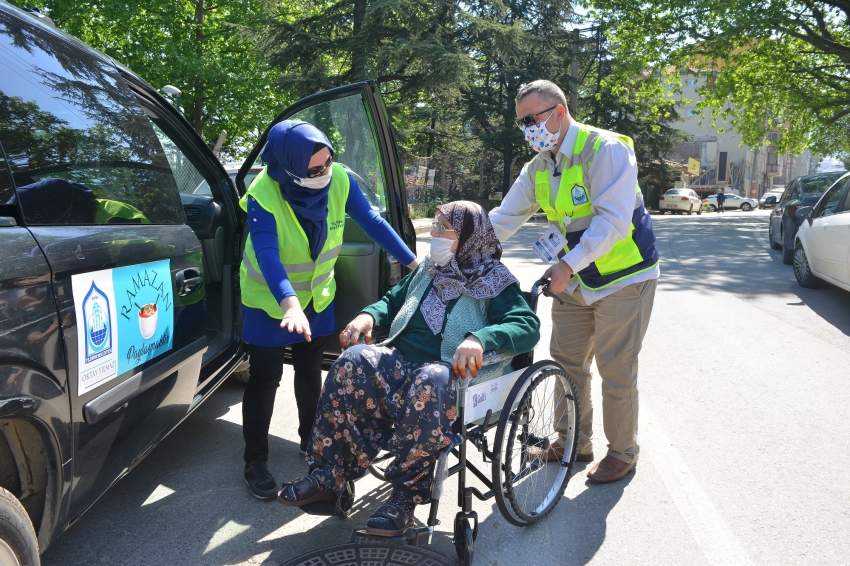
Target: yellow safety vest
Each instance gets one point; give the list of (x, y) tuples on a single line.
[(105, 210), (311, 280), (628, 256)]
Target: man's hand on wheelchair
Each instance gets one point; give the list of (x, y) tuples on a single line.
[(559, 277), (360, 326), (469, 355)]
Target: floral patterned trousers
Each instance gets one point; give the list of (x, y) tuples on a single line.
[(373, 399)]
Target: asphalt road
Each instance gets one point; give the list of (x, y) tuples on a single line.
[(743, 431)]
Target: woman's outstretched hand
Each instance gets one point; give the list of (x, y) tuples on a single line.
[(294, 318), (469, 355), (361, 325)]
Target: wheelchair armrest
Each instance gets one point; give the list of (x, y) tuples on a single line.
[(379, 334), (496, 356)]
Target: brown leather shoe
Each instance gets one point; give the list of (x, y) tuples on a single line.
[(610, 469), (555, 453)]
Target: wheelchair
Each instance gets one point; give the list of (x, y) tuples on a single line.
[(511, 420)]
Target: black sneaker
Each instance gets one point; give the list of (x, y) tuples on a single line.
[(302, 449), (259, 480)]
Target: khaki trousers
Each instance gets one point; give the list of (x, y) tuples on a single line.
[(612, 329)]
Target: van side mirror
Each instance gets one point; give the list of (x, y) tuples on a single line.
[(771, 200), (804, 212)]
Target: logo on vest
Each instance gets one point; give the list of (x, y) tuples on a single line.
[(336, 225), (579, 194)]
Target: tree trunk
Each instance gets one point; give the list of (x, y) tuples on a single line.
[(199, 90), (358, 53)]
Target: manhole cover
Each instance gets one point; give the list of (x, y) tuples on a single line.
[(370, 554)]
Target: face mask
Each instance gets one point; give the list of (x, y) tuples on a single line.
[(539, 137), (316, 183), (441, 251)]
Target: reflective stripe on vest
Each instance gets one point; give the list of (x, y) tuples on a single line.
[(312, 280), (633, 254)]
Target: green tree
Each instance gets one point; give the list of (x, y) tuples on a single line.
[(408, 44), (199, 46), (650, 124), (512, 43), (779, 65)]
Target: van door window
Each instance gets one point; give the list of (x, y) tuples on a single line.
[(80, 149), (346, 123)]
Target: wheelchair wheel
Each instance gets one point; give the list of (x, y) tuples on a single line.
[(542, 407), (464, 541), (379, 465)]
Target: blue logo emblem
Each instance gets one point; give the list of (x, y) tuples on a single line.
[(96, 324), (579, 195)]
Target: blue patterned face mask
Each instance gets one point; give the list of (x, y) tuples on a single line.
[(539, 137)]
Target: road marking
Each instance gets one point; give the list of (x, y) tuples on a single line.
[(717, 541)]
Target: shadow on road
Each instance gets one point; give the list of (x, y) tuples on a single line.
[(706, 254)]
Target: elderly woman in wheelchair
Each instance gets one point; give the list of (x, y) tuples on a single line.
[(402, 395)]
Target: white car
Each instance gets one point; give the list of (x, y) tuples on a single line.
[(732, 202), (680, 200), (822, 244), (774, 192)]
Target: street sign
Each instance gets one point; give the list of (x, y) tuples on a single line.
[(693, 166)]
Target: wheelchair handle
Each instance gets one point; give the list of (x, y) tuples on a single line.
[(541, 287)]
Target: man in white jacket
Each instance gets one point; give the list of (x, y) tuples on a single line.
[(585, 180)]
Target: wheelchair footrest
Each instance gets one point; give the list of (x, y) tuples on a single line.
[(412, 537), (324, 509), (340, 508)]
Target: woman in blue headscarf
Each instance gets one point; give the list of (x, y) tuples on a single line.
[(296, 216)]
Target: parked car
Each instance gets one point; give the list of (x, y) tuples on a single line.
[(119, 293), (733, 202), (822, 244), (232, 169), (783, 224), (680, 200), (776, 193)]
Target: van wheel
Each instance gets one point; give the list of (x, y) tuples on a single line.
[(241, 376), (712, 207), (18, 545)]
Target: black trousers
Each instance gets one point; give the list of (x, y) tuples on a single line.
[(264, 379)]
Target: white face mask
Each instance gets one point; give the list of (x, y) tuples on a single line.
[(539, 137), (441, 251), (316, 183)]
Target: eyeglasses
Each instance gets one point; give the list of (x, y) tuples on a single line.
[(440, 228), (531, 119), (319, 170)]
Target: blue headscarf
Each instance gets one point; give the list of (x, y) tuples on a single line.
[(289, 148)]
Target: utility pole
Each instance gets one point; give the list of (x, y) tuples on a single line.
[(574, 75)]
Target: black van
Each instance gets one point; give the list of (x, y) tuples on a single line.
[(119, 291)]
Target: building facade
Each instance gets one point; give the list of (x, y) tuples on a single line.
[(724, 161)]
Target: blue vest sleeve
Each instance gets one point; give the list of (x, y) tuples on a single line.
[(376, 227), (263, 230)]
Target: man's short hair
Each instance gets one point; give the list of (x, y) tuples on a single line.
[(547, 91)]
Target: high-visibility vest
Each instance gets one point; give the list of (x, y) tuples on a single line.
[(106, 210), (635, 253), (311, 280)]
